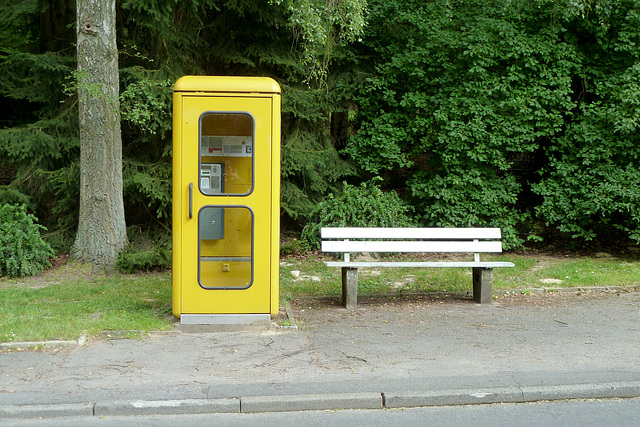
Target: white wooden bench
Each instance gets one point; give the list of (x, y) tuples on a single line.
[(404, 240)]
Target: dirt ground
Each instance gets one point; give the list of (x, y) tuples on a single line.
[(331, 309)]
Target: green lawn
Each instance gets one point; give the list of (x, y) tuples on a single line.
[(72, 307), (530, 272), (68, 301)]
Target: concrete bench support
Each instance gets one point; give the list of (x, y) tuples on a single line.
[(350, 287), (482, 284)]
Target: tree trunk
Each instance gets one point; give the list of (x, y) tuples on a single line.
[(101, 228)]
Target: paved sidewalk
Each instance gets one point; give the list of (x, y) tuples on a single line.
[(389, 353)]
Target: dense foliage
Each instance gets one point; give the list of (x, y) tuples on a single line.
[(159, 42), (365, 205), (22, 250), (590, 185), (518, 114), (521, 115)]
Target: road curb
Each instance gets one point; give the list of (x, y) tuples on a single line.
[(511, 394), (311, 402), (167, 407), (625, 389), (412, 399), (46, 411), (23, 345), (331, 401)]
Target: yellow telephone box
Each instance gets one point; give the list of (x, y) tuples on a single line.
[(226, 199)]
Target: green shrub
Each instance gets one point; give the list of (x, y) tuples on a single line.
[(133, 260), (22, 250), (357, 206), (147, 250), (292, 246)]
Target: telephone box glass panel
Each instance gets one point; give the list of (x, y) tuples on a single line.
[(225, 247), (226, 153)]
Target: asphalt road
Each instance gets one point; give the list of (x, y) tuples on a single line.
[(391, 353)]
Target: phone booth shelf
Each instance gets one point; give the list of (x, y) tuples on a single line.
[(226, 199)]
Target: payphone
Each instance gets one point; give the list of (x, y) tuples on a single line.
[(211, 180), (226, 163)]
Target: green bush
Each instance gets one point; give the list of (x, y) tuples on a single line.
[(22, 250), (542, 132), (133, 260), (357, 206), (147, 250), (292, 246)]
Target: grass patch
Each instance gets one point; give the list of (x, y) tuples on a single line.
[(68, 309), (569, 272), (68, 300), (307, 276), (531, 271)]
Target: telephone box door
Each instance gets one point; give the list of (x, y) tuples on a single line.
[(226, 193)]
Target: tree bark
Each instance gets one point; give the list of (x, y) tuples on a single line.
[(101, 227)]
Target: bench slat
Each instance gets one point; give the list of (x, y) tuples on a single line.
[(404, 246), (409, 233), (409, 264)]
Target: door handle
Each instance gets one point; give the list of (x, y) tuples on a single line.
[(191, 200)]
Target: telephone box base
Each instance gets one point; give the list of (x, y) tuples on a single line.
[(225, 319)]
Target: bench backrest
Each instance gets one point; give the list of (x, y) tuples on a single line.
[(355, 239)]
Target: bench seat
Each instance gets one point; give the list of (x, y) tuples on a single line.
[(349, 240), (424, 264)]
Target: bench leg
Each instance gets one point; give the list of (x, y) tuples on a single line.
[(482, 283), (350, 287)]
